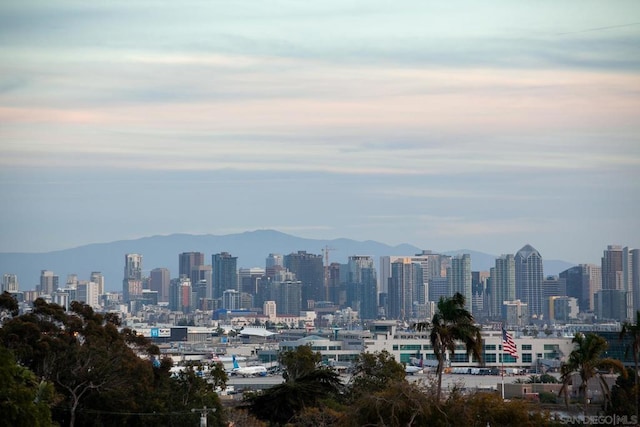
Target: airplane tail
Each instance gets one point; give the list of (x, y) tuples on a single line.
[(235, 362)]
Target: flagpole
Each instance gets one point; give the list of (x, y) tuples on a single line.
[(502, 371)]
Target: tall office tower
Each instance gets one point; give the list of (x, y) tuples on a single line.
[(480, 296), (459, 276), (288, 296), (132, 282), (250, 278), (502, 285), (610, 304), (362, 286), (438, 288), (72, 281), (224, 274), (274, 263), (434, 266), (337, 288), (188, 260), (201, 276), (635, 278), (309, 270), (552, 286), (97, 278), (159, 281), (529, 276), (612, 272), (231, 300), (9, 283), (180, 298), (563, 309), (48, 282), (403, 288), (87, 292), (627, 281)]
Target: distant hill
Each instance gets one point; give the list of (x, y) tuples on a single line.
[(250, 247)]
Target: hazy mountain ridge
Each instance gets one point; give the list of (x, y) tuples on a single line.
[(251, 248)]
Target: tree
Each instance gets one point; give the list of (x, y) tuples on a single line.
[(307, 385), (373, 372), (586, 361), (632, 330), (24, 401), (450, 325)]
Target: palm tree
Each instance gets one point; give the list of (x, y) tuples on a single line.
[(633, 331), (452, 323), (586, 361)]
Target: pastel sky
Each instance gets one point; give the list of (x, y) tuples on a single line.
[(447, 125)]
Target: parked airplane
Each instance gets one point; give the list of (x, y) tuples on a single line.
[(409, 369), (246, 371)]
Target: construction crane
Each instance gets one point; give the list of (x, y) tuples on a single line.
[(325, 253)]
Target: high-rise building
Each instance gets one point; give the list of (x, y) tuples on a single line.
[(132, 282), (406, 276), (529, 276), (552, 286), (269, 309), (97, 278), (502, 286), (159, 281), (433, 265), (9, 283), (480, 295), (459, 277), (181, 298), (249, 279), (610, 304), (309, 270), (231, 300), (563, 309), (224, 274), (48, 282), (288, 296), (612, 271), (516, 313), (362, 286), (635, 278), (188, 260), (87, 292)]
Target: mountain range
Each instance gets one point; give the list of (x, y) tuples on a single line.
[(251, 248)]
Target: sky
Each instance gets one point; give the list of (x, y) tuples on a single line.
[(446, 125)]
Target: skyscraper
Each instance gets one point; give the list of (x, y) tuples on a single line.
[(189, 265), (224, 274), (309, 270), (529, 276), (132, 282), (159, 281), (9, 283), (362, 286), (612, 271), (403, 284), (48, 282), (97, 278), (502, 285), (459, 278)]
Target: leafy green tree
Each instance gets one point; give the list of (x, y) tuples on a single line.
[(8, 306), (586, 360), (632, 330), (373, 372), (24, 401), (451, 324), (307, 385), (623, 395), (299, 362)]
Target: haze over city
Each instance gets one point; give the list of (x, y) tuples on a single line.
[(446, 126)]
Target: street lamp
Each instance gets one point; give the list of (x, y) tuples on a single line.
[(203, 414)]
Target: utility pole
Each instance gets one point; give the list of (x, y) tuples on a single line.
[(203, 414)]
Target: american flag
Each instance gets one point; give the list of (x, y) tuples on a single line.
[(508, 345)]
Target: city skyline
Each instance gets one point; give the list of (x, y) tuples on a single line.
[(444, 126)]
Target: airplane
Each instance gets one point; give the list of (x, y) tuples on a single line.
[(410, 370), (246, 371)]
